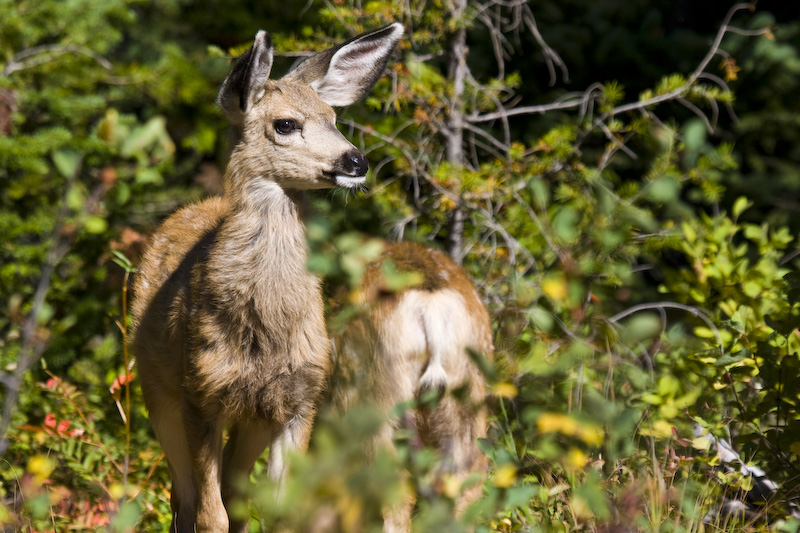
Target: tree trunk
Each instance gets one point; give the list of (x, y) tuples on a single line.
[(454, 136)]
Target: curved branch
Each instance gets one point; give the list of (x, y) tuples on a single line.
[(697, 73), (697, 111), (671, 305), (551, 57), (39, 55), (526, 110)]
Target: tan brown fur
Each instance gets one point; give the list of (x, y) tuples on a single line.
[(229, 327), (404, 344)]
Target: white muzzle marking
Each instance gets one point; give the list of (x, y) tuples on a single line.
[(349, 181)]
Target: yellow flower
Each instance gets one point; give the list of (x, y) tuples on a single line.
[(589, 433), (505, 390), (555, 288), (41, 467), (575, 459), (505, 476)]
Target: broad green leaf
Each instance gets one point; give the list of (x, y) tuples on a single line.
[(701, 443), (640, 327), (67, 162), (565, 224), (740, 205), (95, 224), (664, 189)]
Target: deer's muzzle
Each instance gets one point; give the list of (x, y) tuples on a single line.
[(350, 169)]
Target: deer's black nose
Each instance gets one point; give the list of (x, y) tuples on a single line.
[(353, 163)]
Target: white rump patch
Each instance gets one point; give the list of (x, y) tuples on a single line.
[(440, 323)]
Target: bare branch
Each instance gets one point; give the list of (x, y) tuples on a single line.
[(39, 55), (716, 79), (526, 110), (497, 43), (613, 138), (584, 102), (699, 313), (696, 74), (551, 57), (498, 144), (542, 230), (587, 106), (694, 109)]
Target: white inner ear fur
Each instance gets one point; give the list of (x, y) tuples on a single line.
[(261, 70), (260, 67), (258, 95), (352, 68)]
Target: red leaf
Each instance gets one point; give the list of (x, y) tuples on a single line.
[(63, 426), (121, 380)]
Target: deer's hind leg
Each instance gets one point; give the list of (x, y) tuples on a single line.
[(247, 441), (396, 518), (453, 427)]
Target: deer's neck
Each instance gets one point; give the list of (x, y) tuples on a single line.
[(262, 301), (261, 252)]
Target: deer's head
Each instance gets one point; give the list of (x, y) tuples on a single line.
[(287, 127)]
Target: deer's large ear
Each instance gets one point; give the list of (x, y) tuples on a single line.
[(245, 84), (344, 74)]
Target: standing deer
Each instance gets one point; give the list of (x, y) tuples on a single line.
[(402, 345), (229, 327)]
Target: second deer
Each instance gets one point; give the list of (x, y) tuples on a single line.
[(403, 345), (229, 327)]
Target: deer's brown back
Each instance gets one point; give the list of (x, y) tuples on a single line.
[(381, 355)]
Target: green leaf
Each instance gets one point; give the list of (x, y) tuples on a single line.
[(740, 205), (592, 495), (664, 189), (519, 496), (123, 261), (540, 192), (95, 224), (542, 319), (751, 288), (640, 327), (689, 232), (320, 264), (565, 224), (694, 140), (729, 359), (701, 443), (67, 162), (669, 386), (397, 280), (149, 176)]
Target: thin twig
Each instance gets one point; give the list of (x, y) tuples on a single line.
[(39, 55), (702, 315), (552, 58), (698, 73)]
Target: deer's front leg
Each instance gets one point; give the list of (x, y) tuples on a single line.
[(204, 434)]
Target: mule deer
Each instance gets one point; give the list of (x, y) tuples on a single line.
[(229, 322), (402, 345)]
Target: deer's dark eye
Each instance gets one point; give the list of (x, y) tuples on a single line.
[(286, 125)]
